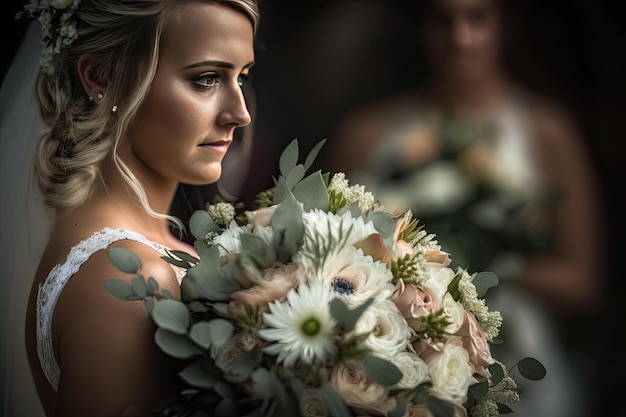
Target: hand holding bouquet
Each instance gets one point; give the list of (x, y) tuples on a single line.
[(322, 303)]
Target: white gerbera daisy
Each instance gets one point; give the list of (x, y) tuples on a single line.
[(302, 326), (326, 234)]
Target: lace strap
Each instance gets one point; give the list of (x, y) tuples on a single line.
[(50, 290)]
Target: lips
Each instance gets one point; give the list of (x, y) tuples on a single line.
[(216, 143)]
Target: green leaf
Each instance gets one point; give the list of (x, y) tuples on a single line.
[(243, 365), (212, 333), (381, 370), (201, 223), (288, 228), (382, 222), (312, 192), (440, 408), (336, 405), (313, 154), (497, 373), (176, 345), (531, 368), (478, 390), (119, 288), (139, 286), (171, 315), (153, 285), (289, 158), (401, 406), (344, 315), (197, 376), (504, 409), (124, 260), (226, 408), (294, 176), (483, 281)]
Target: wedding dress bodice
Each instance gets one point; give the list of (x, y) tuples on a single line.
[(50, 289)]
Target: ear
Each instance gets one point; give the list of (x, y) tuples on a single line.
[(86, 68)]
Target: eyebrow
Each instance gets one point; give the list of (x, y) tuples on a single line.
[(221, 64)]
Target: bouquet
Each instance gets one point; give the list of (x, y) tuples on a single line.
[(321, 303)]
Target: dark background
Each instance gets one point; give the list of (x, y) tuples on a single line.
[(309, 73)]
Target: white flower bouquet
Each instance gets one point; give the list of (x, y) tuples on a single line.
[(321, 303)]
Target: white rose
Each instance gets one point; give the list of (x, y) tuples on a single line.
[(455, 312), (313, 404), (261, 217), (438, 279), (388, 331), (451, 372), (414, 370)]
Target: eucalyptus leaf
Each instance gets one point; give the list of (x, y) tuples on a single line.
[(344, 315), (124, 260), (531, 368), (281, 191), (226, 408), (497, 373), (440, 407), (119, 288), (197, 376), (504, 409), (401, 406), (478, 391), (201, 223), (153, 285), (313, 154), (288, 228), (211, 333), (289, 158), (312, 192), (171, 315), (256, 249), (381, 370), (336, 405), (139, 286), (483, 281), (382, 222), (295, 176), (176, 345), (148, 303), (243, 365)]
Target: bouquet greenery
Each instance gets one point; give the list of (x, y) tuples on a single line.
[(321, 303)]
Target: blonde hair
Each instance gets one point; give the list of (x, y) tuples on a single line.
[(124, 37)]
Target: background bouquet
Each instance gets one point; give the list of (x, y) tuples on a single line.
[(322, 303)]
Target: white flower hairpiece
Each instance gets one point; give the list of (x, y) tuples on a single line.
[(58, 28)]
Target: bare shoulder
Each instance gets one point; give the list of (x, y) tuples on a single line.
[(106, 345)]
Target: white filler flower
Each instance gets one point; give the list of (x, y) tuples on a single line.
[(302, 326)]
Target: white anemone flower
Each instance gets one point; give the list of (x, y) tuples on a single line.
[(357, 277), (302, 326)]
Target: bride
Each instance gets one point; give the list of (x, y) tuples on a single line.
[(137, 97)]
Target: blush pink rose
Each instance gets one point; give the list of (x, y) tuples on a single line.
[(276, 282), (374, 246), (413, 302), (363, 395), (438, 256), (475, 342), (261, 217)]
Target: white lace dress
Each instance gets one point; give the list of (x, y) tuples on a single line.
[(50, 289)]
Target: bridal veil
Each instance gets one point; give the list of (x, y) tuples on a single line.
[(24, 222)]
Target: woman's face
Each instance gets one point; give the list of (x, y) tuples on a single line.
[(461, 38), (186, 124)]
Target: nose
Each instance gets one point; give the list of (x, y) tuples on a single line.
[(235, 110)]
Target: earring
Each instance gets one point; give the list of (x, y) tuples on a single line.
[(100, 96), (114, 109), (90, 99)]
